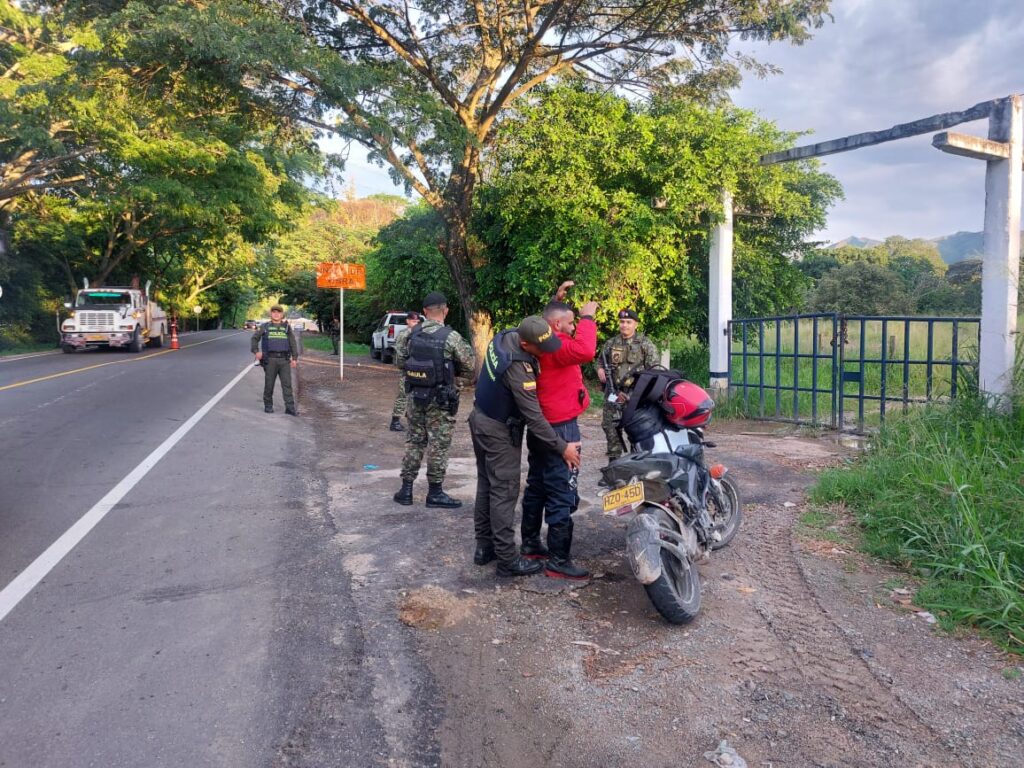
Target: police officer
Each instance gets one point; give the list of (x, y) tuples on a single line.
[(624, 355), (436, 362), (335, 335), (506, 403), (401, 350), (275, 347)]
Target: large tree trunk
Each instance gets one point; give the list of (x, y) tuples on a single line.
[(456, 215), (457, 255)]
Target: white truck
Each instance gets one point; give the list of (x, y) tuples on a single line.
[(114, 317), (382, 341)]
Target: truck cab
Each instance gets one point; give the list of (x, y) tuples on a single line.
[(113, 317)]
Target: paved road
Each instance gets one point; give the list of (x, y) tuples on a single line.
[(173, 632)]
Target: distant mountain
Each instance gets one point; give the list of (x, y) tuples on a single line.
[(953, 248), (856, 242), (962, 245)]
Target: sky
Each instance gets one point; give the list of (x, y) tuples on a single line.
[(880, 63)]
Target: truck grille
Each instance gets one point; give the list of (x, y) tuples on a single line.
[(95, 321)]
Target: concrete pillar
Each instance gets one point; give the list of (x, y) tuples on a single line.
[(1001, 258), (720, 296)]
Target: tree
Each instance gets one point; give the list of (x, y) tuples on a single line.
[(425, 85), (620, 197), (861, 288)]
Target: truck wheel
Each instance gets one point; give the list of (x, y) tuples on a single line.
[(387, 356), (374, 353), (67, 349), (136, 343), (157, 341)]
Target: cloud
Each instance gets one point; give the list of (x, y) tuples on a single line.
[(882, 63)]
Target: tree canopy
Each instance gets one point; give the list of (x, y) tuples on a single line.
[(425, 85), (620, 197)]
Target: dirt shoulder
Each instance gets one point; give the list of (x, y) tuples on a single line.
[(804, 653)]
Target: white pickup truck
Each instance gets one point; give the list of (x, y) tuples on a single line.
[(382, 342), (114, 317)]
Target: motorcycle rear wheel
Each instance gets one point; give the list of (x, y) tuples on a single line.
[(676, 592), (727, 521)]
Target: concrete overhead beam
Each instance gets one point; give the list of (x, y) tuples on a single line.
[(902, 131), (975, 147)]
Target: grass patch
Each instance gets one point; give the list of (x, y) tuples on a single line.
[(25, 349), (941, 493), (323, 344), (822, 523)]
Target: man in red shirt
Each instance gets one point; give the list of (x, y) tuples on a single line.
[(551, 485)]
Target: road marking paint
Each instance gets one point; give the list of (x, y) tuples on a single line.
[(27, 580), (13, 358), (112, 362)]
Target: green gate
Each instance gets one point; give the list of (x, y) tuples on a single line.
[(846, 371)]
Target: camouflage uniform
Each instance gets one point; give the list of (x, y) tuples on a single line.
[(401, 353), (430, 426), (625, 357)]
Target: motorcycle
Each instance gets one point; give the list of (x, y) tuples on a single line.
[(683, 509)]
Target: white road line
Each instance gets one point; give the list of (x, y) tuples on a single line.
[(27, 580), (13, 358)]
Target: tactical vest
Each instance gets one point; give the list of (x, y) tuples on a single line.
[(427, 370), (626, 357), (275, 337), (493, 398)]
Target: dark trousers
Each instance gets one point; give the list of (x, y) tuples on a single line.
[(497, 485), (277, 367), (552, 489)]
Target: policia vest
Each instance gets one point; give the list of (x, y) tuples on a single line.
[(429, 375), (275, 338), (493, 398)]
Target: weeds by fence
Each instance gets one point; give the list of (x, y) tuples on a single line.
[(940, 492)]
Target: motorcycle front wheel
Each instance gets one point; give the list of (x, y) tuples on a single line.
[(676, 592)]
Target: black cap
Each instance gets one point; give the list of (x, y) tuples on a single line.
[(628, 314), (535, 330), (434, 299), (412, 316)]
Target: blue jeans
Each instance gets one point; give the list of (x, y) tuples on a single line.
[(552, 489)]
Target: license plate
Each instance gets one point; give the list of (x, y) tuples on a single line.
[(96, 337), (629, 497)]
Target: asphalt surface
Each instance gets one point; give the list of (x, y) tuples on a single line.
[(173, 633)]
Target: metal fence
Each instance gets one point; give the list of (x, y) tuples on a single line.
[(846, 371)]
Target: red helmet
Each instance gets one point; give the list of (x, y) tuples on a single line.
[(687, 405)]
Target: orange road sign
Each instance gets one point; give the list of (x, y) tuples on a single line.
[(333, 274)]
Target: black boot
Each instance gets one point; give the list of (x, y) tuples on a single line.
[(484, 554), (404, 495), (519, 567), (559, 564), (268, 409), (291, 411), (396, 425), (532, 548), (436, 497)]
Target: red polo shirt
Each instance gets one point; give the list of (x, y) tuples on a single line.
[(561, 379)]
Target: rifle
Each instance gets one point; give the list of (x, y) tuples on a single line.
[(610, 390)]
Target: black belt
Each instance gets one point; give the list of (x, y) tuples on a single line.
[(279, 354)]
